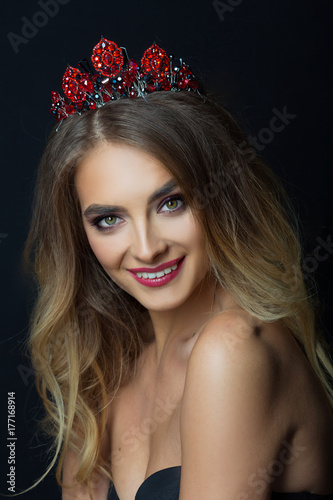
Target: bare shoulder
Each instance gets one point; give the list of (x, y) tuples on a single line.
[(250, 393), (232, 322), (234, 340), (230, 400), (236, 368)]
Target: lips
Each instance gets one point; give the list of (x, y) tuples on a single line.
[(159, 275), (161, 267)]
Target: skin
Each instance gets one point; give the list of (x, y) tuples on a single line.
[(146, 236), (229, 398)]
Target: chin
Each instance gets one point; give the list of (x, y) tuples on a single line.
[(163, 307), (162, 298), (165, 300)]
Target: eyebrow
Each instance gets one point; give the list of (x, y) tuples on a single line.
[(96, 209)]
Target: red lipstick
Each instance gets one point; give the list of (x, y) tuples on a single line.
[(161, 267), (163, 280)]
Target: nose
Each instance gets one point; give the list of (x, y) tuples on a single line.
[(148, 243)]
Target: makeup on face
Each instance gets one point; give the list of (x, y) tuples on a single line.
[(140, 227), (158, 276)]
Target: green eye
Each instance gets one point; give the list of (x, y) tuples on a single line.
[(109, 220), (172, 204)]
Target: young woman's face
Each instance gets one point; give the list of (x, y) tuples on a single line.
[(139, 226)]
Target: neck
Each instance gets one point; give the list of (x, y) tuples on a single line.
[(173, 328)]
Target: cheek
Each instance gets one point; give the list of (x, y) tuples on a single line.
[(108, 253), (192, 235), (197, 244)]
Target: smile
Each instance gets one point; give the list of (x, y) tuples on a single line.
[(160, 276)]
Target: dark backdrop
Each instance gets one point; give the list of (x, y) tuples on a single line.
[(262, 58)]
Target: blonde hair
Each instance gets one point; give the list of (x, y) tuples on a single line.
[(86, 332)]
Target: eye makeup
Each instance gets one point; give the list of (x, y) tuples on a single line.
[(107, 221)]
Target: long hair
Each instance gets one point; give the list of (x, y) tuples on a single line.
[(86, 332)]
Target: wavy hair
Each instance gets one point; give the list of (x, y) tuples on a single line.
[(86, 332)]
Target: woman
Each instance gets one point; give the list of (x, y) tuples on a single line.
[(173, 340)]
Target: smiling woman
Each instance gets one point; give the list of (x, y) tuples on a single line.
[(173, 339), (148, 222)]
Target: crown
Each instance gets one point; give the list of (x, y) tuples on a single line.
[(115, 76)]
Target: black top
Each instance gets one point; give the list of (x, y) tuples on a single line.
[(165, 484)]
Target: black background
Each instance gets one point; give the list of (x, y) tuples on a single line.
[(257, 56)]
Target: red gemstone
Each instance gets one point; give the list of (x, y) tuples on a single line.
[(132, 65), (86, 83), (150, 87), (107, 58), (166, 85), (72, 85), (181, 84), (61, 115), (155, 62), (55, 97), (132, 70), (126, 78), (69, 109)]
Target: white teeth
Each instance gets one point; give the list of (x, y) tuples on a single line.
[(159, 274)]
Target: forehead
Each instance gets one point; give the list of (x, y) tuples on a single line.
[(118, 173)]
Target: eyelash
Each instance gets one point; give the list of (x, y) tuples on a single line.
[(99, 219), (176, 197)]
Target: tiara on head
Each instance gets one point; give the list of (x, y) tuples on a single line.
[(114, 76)]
